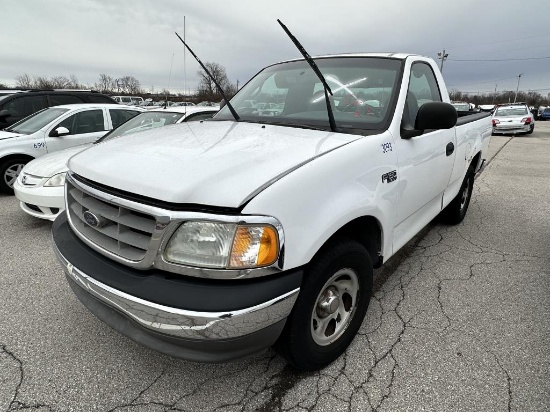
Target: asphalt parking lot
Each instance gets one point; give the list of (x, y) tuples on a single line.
[(460, 321)]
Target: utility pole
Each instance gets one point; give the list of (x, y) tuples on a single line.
[(517, 88), (237, 84), (184, 49), (442, 56), (495, 93)]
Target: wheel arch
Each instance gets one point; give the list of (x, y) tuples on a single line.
[(367, 230), (476, 161), (11, 156)]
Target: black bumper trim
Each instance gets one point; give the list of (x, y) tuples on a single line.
[(169, 289)]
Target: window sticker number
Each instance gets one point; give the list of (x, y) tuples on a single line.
[(386, 147), (40, 145)]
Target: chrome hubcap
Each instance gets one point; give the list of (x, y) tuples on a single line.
[(11, 174), (335, 307)]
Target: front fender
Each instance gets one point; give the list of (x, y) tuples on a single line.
[(23, 145), (316, 200)]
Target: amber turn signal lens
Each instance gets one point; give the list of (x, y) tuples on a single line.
[(254, 246)]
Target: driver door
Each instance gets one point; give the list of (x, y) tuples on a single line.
[(425, 161)]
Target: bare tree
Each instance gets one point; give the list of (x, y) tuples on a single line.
[(42, 82), (106, 84), (207, 88), (73, 82), (129, 85), (24, 81)]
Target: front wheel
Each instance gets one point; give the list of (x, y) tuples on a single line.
[(9, 171), (330, 308)]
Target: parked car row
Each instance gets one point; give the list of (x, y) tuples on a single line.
[(53, 129), (39, 185)]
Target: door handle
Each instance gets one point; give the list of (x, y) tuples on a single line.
[(449, 149)]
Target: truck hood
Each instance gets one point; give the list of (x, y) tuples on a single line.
[(215, 163), (7, 135), (53, 163)]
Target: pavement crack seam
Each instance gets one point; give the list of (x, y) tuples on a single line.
[(281, 388), (15, 404), (21, 375), (133, 401), (249, 393)]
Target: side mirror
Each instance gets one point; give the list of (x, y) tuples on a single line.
[(4, 114), (432, 116), (60, 131)]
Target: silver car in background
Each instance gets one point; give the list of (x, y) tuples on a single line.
[(513, 118)]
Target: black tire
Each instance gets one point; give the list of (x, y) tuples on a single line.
[(9, 170), (455, 211), (313, 338), (531, 129)]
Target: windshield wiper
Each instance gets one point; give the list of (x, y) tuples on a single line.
[(316, 70), (229, 106), (297, 125)]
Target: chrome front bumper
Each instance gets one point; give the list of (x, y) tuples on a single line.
[(202, 336)]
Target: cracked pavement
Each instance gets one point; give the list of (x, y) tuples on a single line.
[(459, 321)]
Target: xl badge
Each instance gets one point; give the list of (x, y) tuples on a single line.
[(389, 177)]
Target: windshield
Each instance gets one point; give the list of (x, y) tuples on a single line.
[(516, 111), (36, 121), (144, 121), (291, 94)]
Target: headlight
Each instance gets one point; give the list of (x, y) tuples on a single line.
[(56, 180), (223, 245)]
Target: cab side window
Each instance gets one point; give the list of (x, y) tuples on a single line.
[(423, 88), (89, 121)]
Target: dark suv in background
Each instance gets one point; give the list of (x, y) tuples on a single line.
[(20, 104)]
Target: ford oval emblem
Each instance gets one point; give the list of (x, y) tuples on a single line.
[(91, 219)]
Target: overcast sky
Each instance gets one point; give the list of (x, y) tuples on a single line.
[(136, 38)]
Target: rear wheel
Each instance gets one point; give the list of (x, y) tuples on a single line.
[(9, 171), (330, 308), (531, 129), (455, 211)]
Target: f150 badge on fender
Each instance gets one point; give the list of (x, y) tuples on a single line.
[(389, 177)]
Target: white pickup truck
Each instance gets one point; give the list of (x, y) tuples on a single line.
[(213, 240)]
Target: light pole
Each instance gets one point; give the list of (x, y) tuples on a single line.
[(442, 56), (517, 88)]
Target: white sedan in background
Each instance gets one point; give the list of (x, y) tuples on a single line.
[(53, 129), (40, 185)]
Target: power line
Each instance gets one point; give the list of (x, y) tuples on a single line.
[(488, 81), (499, 60), (500, 41)]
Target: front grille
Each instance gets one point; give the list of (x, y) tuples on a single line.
[(124, 232)]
